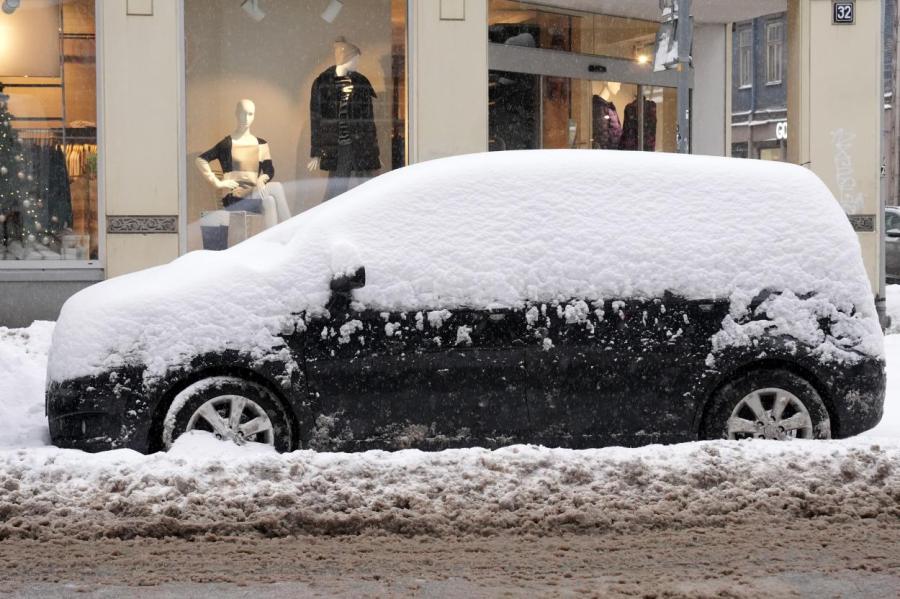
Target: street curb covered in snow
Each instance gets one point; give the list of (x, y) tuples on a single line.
[(202, 488)]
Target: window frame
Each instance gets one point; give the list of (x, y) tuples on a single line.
[(745, 68), (774, 52)]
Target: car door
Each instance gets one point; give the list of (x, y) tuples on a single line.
[(426, 379), (609, 372)]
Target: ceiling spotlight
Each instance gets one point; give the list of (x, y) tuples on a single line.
[(251, 7), (10, 6), (331, 11)]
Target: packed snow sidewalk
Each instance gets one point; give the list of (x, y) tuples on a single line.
[(204, 487)]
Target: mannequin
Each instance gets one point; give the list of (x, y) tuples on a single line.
[(344, 141), (248, 170), (607, 128)]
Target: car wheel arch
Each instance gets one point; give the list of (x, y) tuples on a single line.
[(167, 396), (767, 364)]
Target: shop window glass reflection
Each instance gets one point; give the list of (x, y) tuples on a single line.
[(514, 22), (529, 112), (48, 133), (288, 109)]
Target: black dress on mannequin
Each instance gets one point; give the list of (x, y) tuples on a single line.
[(343, 129)]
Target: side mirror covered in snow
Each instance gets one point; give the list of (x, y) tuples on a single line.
[(344, 284)]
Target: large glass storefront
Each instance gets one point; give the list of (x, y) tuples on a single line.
[(289, 103), (48, 134), (547, 108)]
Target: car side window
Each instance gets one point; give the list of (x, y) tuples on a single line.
[(892, 220)]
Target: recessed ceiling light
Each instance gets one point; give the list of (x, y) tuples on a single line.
[(332, 10)]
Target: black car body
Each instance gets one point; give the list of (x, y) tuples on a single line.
[(577, 372), (601, 380)]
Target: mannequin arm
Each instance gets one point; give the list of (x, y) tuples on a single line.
[(208, 174), (266, 167)]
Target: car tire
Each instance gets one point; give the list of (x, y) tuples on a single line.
[(767, 404), (232, 409)]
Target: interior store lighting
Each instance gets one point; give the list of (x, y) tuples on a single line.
[(643, 58), (251, 7), (332, 10), (10, 6)]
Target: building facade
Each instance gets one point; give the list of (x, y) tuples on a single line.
[(759, 88), (145, 129)]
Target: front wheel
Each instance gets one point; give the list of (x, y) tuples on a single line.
[(230, 408), (767, 404)]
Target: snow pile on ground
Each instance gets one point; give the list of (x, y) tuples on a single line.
[(497, 229), (23, 367), (195, 490)]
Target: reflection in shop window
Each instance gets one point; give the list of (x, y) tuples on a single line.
[(531, 24), (48, 133), (774, 51), (745, 57), (313, 107)]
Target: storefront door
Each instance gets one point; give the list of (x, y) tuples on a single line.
[(565, 79)]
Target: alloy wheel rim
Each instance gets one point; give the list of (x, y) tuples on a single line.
[(770, 413), (233, 418)]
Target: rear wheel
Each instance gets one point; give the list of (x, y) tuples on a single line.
[(767, 404), (230, 408)]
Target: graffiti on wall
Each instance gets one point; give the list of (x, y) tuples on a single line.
[(848, 193)]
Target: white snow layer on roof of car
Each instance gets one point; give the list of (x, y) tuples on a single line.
[(499, 229)]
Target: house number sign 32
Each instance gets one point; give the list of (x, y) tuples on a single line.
[(843, 13)]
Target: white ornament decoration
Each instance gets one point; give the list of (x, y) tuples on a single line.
[(38, 226), (31, 237), (3, 170), (45, 240), (26, 203), (21, 175)]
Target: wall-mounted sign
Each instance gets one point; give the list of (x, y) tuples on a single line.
[(781, 130), (843, 13)]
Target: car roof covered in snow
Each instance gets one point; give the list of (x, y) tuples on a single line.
[(488, 230)]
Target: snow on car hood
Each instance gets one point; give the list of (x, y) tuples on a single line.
[(495, 229)]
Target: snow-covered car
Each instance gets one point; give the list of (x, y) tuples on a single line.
[(541, 297)]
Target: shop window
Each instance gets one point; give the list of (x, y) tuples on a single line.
[(774, 51), (527, 112), (48, 134), (287, 107), (739, 150), (745, 57), (517, 23)]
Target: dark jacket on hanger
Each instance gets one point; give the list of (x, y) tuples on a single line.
[(324, 108), (607, 129), (630, 136)]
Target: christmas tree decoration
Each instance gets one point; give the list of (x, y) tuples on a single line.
[(22, 215)]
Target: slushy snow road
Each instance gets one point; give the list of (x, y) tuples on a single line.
[(690, 520)]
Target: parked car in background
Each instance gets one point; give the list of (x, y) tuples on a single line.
[(538, 297), (892, 244)]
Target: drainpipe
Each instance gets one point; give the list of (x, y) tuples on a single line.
[(754, 82), (685, 36)]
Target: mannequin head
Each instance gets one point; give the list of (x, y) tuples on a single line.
[(245, 112), (346, 54)]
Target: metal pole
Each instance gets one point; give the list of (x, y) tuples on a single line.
[(685, 36)]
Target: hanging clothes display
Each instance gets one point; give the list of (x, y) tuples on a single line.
[(629, 140), (607, 128)]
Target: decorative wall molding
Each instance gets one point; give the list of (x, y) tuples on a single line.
[(141, 224)]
